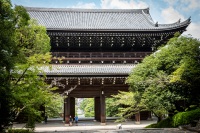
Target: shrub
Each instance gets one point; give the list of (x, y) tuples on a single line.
[(154, 125), (166, 123), (19, 131), (183, 118)]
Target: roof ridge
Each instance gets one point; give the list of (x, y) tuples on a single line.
[(148, 17), (146, 10)]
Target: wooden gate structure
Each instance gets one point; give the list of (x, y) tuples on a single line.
[(98, 49)]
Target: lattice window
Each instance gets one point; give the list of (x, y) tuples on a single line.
[(107, 42), (119, 80), (117, 41), (108, 81), (85, 41), (85, 81), (96, 41), (73, 81), (73, 41), (96, 81)]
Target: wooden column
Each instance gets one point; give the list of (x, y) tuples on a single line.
[(72, 107), (103, 108), (97, 108), (69, 108), (64, 109), (137, 118)]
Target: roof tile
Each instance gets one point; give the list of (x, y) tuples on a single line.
[(123, 69), (91, 19)]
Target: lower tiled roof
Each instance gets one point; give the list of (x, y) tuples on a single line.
[(100, 69)]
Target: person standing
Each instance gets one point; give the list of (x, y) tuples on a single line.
[(45, 119), (70, 120), (76, 119)]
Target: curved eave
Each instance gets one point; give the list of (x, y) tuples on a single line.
[(179, 26)]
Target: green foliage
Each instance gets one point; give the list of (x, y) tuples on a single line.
[(156, 98), (183, 118), (169, 76), (7, 60), (19, 131), (128, 104), (32, 39), (24, 48), (89, 108), (54, 108), (31, 121), (111, 108), (87, 105), (165, 123)]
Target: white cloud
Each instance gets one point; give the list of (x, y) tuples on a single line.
[(185, 4), (84, 5), (170, 2), (193, 4), (122, 4), (194, 30), (170, 15)]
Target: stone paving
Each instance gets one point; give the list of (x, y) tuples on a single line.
[(90, 126)]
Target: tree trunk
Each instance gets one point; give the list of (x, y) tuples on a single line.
[(137, 117), (160, 118)]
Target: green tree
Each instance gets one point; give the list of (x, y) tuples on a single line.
[(8, 54), (55, 108), (169, 76), (87, 105), (111, 107), (24, 52), (157, 97), (128, 104), (30, 90)]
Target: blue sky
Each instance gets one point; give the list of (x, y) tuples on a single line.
[(163, 11)]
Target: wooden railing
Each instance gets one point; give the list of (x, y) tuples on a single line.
[(101, 54), (98, 57)]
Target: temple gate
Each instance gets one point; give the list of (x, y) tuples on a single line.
[(94, 50)]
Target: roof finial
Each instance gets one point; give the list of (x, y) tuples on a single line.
[(179, 20), (156, 24)]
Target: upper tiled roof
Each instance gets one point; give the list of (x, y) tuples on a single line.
[(100, 69), (98, 19)]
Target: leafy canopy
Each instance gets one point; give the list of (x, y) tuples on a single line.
[(169, 76)]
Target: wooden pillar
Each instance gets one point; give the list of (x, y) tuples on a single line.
[(72, 107), (64, 109), (103, 107), (137, 118), (97, 108), (69, 108)]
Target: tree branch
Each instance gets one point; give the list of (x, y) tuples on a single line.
[(21, 76)]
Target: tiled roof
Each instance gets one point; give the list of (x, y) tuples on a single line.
[(100, 69), (98, 19)]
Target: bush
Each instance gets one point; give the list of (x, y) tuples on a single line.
[(166, 123), (183, 118), (19, 131), (154, 125)]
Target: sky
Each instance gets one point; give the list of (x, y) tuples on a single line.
[(162, 11)]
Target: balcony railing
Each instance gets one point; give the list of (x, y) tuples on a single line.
[(95, 57)]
